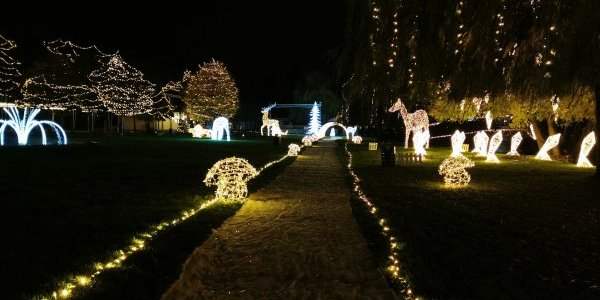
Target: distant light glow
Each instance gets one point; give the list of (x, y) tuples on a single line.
[(23, 125), (550, 143), (586, 146)]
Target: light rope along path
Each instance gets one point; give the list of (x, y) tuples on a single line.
[(294, 239)]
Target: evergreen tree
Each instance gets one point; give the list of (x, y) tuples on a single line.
[(315, 120)]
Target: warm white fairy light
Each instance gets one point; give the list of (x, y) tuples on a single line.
[(495, 142), (9, 70), (323, 130), (457, 140), (220, 128), (489, 119), (586, 146), (420, 139), (416, 121), (393, 245), (267, 122), (39, 93), (23, 125), (480, 141), (453, 171), (357, 139), (276, 131), (499, 34), (199, 132), (293, 149), (515, 141), (555, 101), (307, 141), (551, 142), (230, 176), (477, 102)]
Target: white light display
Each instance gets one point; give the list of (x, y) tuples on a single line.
[(515, 141), (9, 70), (489, 119), (199, 132), (351, 131), (315, 120), (586, 146), (266, 122), (453, 170), (23, 125), (457, 140), (477, 102), (332, 132), (532, 132), (357, 139), (420, 139), (230, 176), (276, 131), (323, 130), (495, 142), (551, 142), (293, 149), (219, 128), (307, 141), (480, 141), (416, 121)]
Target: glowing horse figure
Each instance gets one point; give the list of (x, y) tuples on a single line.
[(219, 127), (266, 122), (25, 124), (416, 121)]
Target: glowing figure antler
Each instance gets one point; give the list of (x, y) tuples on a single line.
[(457, 139), (453, 170), (416, 121), (550, 143), (23, 125), (586, 146), (515, 141), (495, 142)]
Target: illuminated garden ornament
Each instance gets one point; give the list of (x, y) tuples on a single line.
[(332, 132), (489, 119), (550, 143), (199, 132), (351, 131), (457, 139), (586, 146), (515, 141), (420, 139), (480, 141), (495, 142), (555, 101), (230, 176), (219, 128), (357, 139), (315, 120), (266, 122), (323, 130), (307, 141), (416, 121), (453, 170), (293, 150), (532, 132), (276, 131), (23, 125)]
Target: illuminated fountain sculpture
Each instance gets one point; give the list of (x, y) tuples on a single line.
[(453, 170), (231, 176), (220, 127), (23, 125), (416, 121), (495, 142), (515, 141), (551, 142), (480, 140), (586, 146), (293, 150), (420, 139), (457, 139)]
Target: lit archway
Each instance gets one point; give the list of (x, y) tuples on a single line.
[(323, 130)]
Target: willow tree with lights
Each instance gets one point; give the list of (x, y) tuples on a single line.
[(10, 75), (211, 92)]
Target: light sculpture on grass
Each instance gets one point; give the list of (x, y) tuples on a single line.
[(307, 141), (230, 176), (420, 139), (515, 141), (416, 121), (293, 150), (219, 128), (351, 131), (495, 142), (267, 122), (480, 140), (551, 142), (23, 125), (586, 146), (457, 139), (357, 139), (276, 131), (453, 170), (315, 119), (489, 119), (199, 132)]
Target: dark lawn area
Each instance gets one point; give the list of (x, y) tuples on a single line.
[(66, 207), (523, 229)]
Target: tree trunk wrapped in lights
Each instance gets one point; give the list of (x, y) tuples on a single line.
[(210, 93), (9, 72)]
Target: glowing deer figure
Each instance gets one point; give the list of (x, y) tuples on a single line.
[(586, 146), (416, 121), (266, 122), (219, 128)]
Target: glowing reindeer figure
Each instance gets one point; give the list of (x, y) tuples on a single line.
[(416, 121), (266, 122)]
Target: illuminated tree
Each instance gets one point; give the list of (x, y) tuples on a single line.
[(9, 72), (210, 93), (315, 120)]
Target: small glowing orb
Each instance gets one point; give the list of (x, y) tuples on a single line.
[(550, 143), (83, 280), (199, 132), (420, 139), (293, 150), (586, 146), (23, 125), (219, 128), (307, 141), (515, 141), (453, 170), (357, 139), (230, 176), (495, 142), (480, 140), (489, 119), (457, 140)]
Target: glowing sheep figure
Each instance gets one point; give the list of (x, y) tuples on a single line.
[(457, 139), (586, 146), (23, 125), (495, 142), (550, 143), (481, 141), (357, 139), (220, 126), (515, 141), (453, 170), (230, 176), (420, 139), (199, 132), (293, 150)]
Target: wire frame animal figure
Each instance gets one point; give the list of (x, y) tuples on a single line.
[(266, 122), (416, 121), (351, 132), (220, 127), (199, 132), (457, 140)]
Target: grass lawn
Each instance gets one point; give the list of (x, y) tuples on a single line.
[(66, 207), (523, 229)]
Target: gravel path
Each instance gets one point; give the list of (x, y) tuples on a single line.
[(294, 239)]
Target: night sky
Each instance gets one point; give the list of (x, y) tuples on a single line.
[(268, 47)]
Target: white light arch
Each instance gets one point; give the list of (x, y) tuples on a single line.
[(326, 126), (23, 125)]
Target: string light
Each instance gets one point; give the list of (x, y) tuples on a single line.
[(293, 149), (460, 30), (9, 70), (392, 243), (220, 127), (515, 141), (230, 176), (457, 140), (416, 121), (495, 142), (453, 171), (23, 125), (38, 92), (499, 34), (323, 130), (266, 121), (551, 142), (586, 146), (555, 101)]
